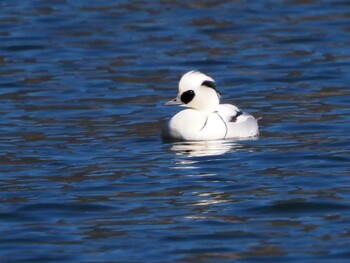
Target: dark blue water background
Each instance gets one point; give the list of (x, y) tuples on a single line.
[(85, 176)]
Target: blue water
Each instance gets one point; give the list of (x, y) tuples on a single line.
[(85, 176)]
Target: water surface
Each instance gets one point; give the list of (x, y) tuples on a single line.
[(85, 176)]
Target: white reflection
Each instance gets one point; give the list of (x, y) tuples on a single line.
[(210, 199), (191, 166), (204, 148)]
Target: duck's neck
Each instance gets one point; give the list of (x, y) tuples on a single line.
[(208, 101)]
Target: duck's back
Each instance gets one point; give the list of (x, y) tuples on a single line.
[(239, 124)]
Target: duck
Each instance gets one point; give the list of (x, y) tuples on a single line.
[(204, 118)]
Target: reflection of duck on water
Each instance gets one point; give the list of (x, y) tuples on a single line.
[(204, 148), (205, 118)]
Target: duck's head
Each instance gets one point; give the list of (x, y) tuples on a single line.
[(197, 91)]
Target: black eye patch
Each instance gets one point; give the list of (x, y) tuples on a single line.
[(187, 96), (209, 84)]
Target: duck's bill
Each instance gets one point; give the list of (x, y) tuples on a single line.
[(173, 102)]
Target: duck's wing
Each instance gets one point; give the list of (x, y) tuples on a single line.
[(239, 123), (229, 112)]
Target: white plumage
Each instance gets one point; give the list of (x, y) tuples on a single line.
[(205, 118)]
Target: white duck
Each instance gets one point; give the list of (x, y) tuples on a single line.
[(205, 118)]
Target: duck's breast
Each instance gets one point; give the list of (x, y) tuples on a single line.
[(184, 125), (195, 125)]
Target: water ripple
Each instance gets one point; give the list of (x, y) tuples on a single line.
[(86, 176)]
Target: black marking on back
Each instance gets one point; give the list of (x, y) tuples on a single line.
[(234, 118), (187, 96), (224, 123), (205, 123)]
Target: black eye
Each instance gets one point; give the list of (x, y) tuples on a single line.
[(187, 96)]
